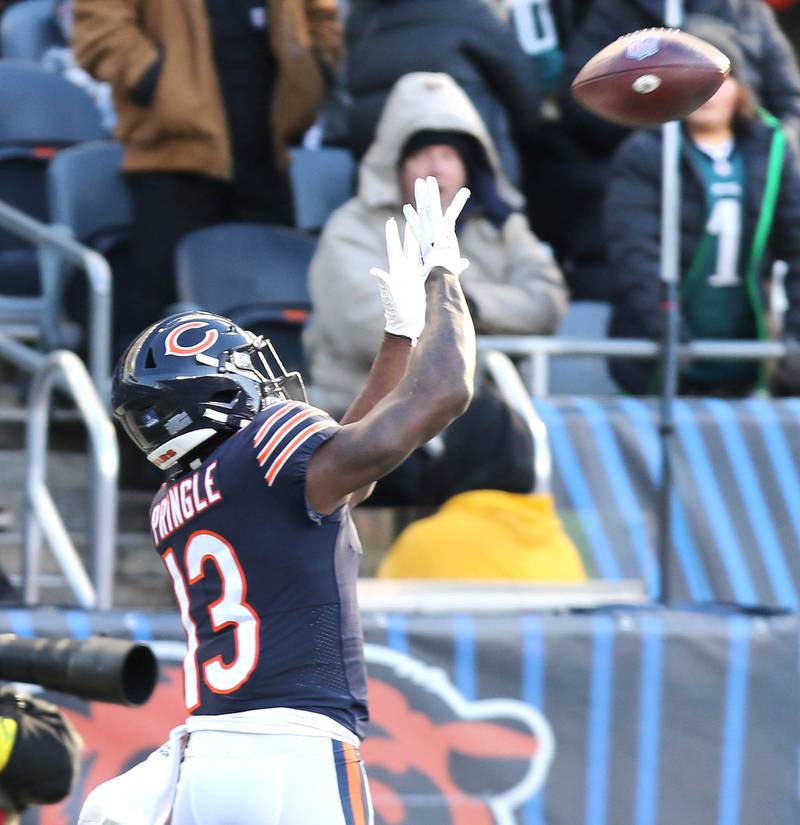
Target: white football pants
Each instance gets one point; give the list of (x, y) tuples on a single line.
[(266, 779)]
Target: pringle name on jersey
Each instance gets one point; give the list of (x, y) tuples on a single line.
[(183, 501)]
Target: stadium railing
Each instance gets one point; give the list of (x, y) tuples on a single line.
[(533, 352), (54, 246), (443, 597), (64, 370), (42, 519), (507, 379), (90, 392)]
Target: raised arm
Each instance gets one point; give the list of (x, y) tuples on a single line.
[(435, 389), (388, 369), (403, 296)]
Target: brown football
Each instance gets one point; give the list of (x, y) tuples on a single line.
[(650, 77)]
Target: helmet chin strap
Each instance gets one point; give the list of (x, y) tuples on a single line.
[(168, 454), (229, 420)]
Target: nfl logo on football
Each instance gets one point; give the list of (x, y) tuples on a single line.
[(641, 49)]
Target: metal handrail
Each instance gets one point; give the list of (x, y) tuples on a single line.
[(54, 244), (510, 385), (42, 519), (538, 349)]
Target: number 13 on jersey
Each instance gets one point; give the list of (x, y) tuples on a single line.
[(230, 613)]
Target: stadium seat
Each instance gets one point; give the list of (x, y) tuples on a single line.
[(40, 113), (40, 109), (87, 195), (322, 180), (584, 375), (28, 30), (254, 274)]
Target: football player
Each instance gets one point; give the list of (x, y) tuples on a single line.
[(254, 528)]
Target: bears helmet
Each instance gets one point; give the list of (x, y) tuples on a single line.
[(193, 376)]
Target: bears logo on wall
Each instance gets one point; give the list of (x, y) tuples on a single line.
[(434, 757)]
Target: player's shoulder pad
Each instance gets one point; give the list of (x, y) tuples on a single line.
[(279, 431)]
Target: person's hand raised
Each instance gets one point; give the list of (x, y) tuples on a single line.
[(403, 285), (434, 229)]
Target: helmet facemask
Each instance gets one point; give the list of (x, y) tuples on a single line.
[(258, 361)]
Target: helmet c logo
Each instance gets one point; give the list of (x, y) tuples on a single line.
[(172, 347)]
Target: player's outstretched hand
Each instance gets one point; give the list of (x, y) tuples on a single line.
[(435, 230), (403, 286)]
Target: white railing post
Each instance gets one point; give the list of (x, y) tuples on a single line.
[(42, 519), (508, 381), (55, 241)]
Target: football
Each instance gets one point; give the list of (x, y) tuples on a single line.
[(650, 77)]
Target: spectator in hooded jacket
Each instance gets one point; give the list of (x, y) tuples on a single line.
[(567, 186), (428, 127), (386, 39), (740, 209)]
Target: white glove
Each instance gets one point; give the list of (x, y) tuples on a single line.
[(436, 232), (403, 286)]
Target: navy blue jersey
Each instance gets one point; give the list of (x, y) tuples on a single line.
[(266, 586)]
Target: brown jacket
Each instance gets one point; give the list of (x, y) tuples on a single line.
[(184, 128)]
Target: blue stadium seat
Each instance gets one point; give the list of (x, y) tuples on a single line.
[(40, 113), (255, 274), (573, 375), (28, 30), (322, 180), (40, 109), (86, 193)]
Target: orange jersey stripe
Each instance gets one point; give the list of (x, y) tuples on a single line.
[(354, 784), (281, 432), (264, 428), (293, 445)]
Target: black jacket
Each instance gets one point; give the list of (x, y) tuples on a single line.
[(633, 228), (772, 70), (386, 39), (45, 752)]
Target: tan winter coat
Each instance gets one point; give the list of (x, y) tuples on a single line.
[(184, 127), (512, 279)]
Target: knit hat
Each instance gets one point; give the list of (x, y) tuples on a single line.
[(724, 37), (485, 196), (468, 148)]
